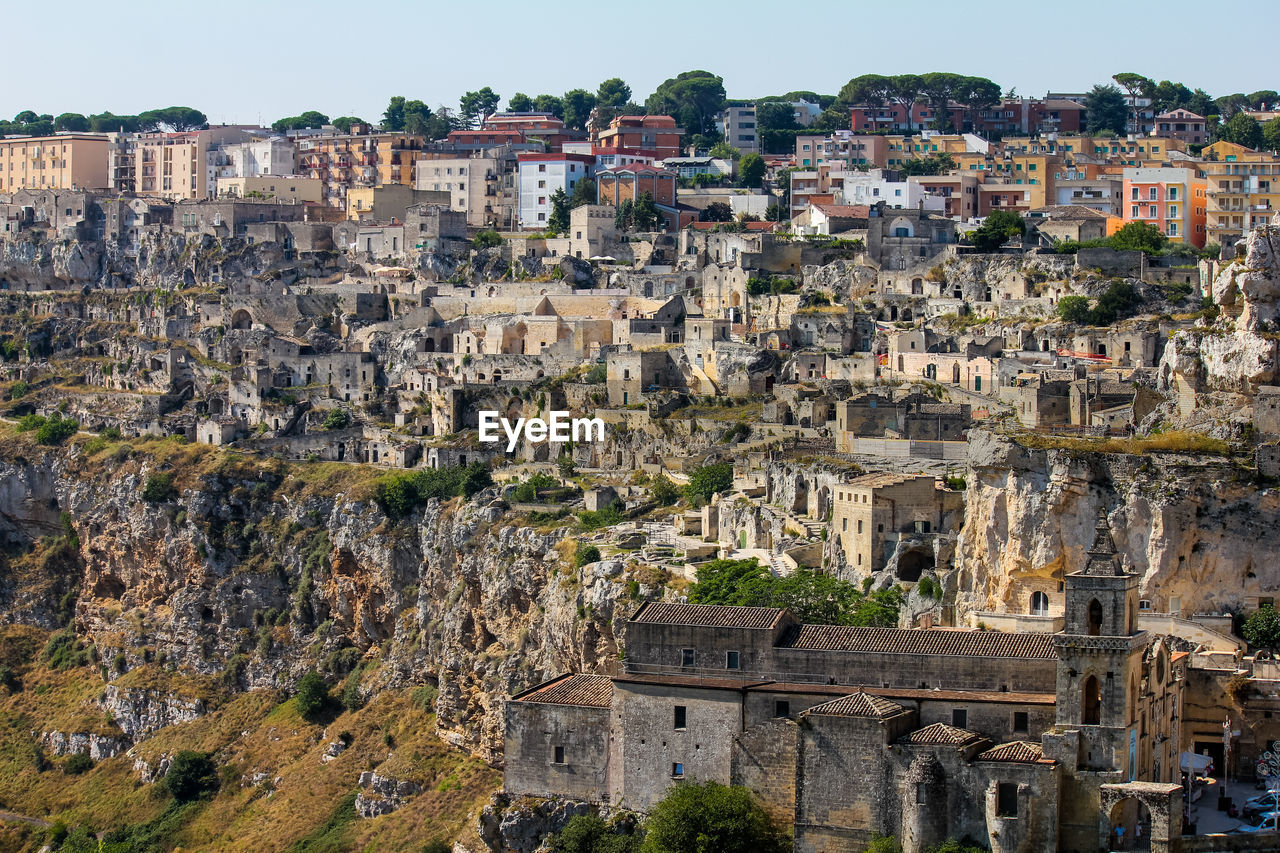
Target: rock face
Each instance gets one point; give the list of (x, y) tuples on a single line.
[(95, 746), (451, 595), (521, 826), (1199, 532), (381, 795)]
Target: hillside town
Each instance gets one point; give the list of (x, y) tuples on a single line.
[(930, 505)]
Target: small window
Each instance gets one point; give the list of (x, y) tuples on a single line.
[(781, 708), (922, 793), (681, 717), (559, 755), (677, 770), (1019, 721), (731, 660), (959, 717), (1007, 799), (686, 657)]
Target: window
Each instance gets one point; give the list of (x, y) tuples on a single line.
[(922, 793), (1007, 799), (959, 717), (1019, 721), (542, 167), (781, 708), (731, 660), (681, 717), (677, 770), (686, 657), (559, 755), (1151, 211)]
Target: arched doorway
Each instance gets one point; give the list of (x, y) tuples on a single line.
[(1091, 702), (955, 373), (241, 320)]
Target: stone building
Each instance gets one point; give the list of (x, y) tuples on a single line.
[(1017, 741)]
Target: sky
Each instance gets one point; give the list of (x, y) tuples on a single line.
[(248, 62)]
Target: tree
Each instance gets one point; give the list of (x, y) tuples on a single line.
[(939, 89), (1242, 129), (578, 104), (709, 480), (474, 107), (778, 115), (622, 218), (175, 119), (907, 89), (313, 696), (344, 123), (751, 169), (996, 230), (590, 834), (1262, 628), (693, 98), (587, 554), (311, 118), (1105, 109), (549, 104), (1138, 236), (337, 419), (520, 103), (71, 121), (612, 98), (1117, 301), (870, 90), (1168, 95), (934, 164), (393, 116), (664, 491), (1136, 86), (725, 151), (977, 93), (584, 192), (191, 775), (558, 221), (717, 211), (1200, 103), (1229, 105), (1073, 309), (711, 817), (1271, 135), (1263, 99)]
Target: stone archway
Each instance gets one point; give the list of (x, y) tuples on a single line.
[(1162, 802), (241, 319)]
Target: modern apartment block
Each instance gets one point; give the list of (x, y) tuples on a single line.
[(1170, 198), (481, 186), (343, 161), (1243, 190), (184, 165), (62, 161), (540, 176), (738, 124)]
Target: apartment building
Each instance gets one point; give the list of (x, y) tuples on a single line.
[(1171, 198), (272, 155), (650, 136), (959, 193), (1242, 192), (738, 124), (540, 176), (1182, 124), (269, 187), (173, 166), (62, 161), (344, 161), (842, 148), (889, 186), (481, 186)]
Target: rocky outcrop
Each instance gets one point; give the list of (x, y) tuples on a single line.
[(1197, 529), (95, 746), (510, 825), (381, 795), (141, 713)]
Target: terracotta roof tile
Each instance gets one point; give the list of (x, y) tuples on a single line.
[(857, 705), (940, 734), (1018, 752), (937, 641), (707, 615), (588, 691)]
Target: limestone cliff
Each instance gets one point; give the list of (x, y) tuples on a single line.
[(1198, 529)]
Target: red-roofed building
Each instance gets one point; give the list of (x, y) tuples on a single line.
[(654, 136)]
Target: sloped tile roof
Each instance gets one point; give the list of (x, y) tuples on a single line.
[(588, 691), (940, 734), (707, 615), (936, 641), (1018, 752), (857, 705)]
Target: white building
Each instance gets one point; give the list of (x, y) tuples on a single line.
[(738, 124), (272, 155), (540, 176), (879, 185)]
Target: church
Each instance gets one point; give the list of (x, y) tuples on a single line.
[(1015, 741)]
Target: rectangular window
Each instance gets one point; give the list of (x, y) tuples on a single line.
[(681, 717), (731, 660), (559, 755), (781, 708), (686, 657), (1007, 799), (922, 793), (959, 717), (677, 770), (1019, 721)]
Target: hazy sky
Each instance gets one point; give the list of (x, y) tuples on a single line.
[(244, 61)]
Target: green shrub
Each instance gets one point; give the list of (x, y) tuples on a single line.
[(313, 696), (400, 494), (56, 430), (1073, 309), (596, 375), (65, 651), (711, 816), (337, 419), (19, 389), (424, 696), (77, 764), (486, 239), (596, 519), (664, 491), (159, 487), (191, 775), (709, 480), (588, 554)]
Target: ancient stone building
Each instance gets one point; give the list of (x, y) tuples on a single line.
[(1017, 741)]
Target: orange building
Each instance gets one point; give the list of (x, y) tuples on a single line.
[(654, 136), (1171, 198)]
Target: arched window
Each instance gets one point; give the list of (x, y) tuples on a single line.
[(1092, 701), (1095, 618), (1039, 604)]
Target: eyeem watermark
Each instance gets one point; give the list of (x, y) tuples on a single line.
[(560, 427)]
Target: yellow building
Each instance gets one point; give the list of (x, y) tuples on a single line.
[(274, 187), (61, 161), (344, 162), (1243, 190)]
